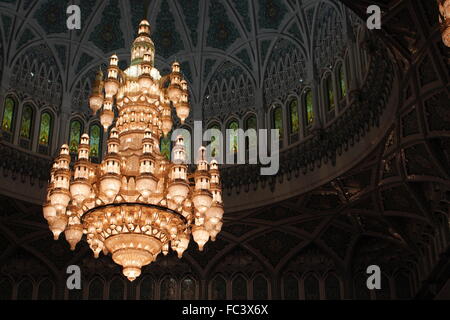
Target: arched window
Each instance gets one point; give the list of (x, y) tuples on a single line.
[(146, 289), (165, 145), (309, 111), (6, 291), (251, 123), (188, 289), (219, 289), (239, 288), (277, 118), (45, 291), (75, 135), (9, 114), (290, 286), (215, 143), (95, 135), (260, 288), (117, 289), (25, 290), (45, 132), (96, 290), (294, 121), (26, 126), (312, 288), (332, 288), (168, 289), (329, 93), (342, 82), (232, 132)]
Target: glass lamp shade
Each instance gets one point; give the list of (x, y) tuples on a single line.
[(178, 191), (182, 111), (145, 82), (133, 251), (73, 235), (215, 213), (80, 190), (95, 102), (167, 124), (201, 236), (183, 244), (49, 211), (202, 200), (111, 87), (110, 186), (60, 199), (174, 92), (57, 225), (146, 184), (106, 118)]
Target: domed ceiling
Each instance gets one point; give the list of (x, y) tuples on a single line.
[(213, 40)]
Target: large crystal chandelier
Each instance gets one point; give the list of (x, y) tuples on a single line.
[(444, 19), (136, 203)]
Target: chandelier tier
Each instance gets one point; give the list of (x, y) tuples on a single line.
[(136, 203)]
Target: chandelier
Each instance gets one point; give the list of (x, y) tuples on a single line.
[(444, 19), (136, 203)]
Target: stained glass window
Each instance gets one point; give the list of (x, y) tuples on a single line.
[(188, 289), (293, 116), (215, 144), (46, 129), (278, 120), (260, 290), (146, 289), (26, 122), (329, 93), (251, 123), (219, 289), (342, 82), (75, 136), (233, 126), (165, 145), (8, 115), (239, 288), (309, 107), (95, 135)]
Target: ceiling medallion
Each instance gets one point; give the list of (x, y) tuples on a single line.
[(136, 203)]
